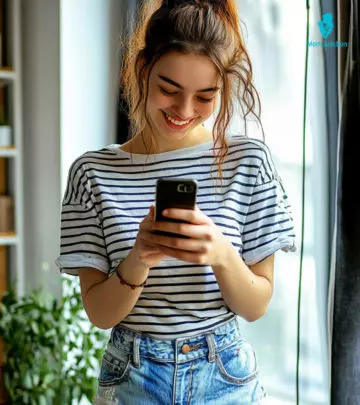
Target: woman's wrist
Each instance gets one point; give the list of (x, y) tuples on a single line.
[(132, 270), (124, 282)]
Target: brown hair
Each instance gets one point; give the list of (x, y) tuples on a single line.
[(209, 28)]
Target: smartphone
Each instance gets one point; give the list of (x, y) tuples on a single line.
[(174, 193)]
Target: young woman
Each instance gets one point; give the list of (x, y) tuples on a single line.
[(174, 304)]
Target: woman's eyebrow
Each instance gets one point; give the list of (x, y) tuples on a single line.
[(207, 90)]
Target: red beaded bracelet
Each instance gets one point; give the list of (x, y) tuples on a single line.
[(122, 281)]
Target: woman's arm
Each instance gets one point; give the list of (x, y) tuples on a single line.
[(106, 301), (247, 290)]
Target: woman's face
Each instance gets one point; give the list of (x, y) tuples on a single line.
[(183, 93)]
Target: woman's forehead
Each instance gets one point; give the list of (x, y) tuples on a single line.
[(191, 71)]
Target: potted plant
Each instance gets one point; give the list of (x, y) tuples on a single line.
[(52, 353), (5, 130)]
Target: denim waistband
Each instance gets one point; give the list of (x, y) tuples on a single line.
[(178, 350)]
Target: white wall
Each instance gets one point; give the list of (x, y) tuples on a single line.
[(41, 104), (90, 31), (70, 72)]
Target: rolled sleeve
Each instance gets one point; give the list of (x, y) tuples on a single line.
[(269, 224), (82, 241)]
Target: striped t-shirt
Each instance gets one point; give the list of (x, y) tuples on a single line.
[(109, 192)]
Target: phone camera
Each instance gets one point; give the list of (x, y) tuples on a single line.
[(185, 188)]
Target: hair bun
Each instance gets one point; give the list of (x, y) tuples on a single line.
[(175, 3)]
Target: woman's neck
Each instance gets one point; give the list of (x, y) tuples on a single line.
[(140, 144)]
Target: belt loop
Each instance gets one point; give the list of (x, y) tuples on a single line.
[(136, 351), (112, 337), (212, 347)]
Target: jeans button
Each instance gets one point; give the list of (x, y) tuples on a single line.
[(185, 349)]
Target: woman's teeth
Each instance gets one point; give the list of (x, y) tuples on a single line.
[(176, 122)]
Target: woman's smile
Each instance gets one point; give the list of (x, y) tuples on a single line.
[(176, 123)]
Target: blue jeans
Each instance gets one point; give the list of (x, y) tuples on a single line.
[(217, 367)]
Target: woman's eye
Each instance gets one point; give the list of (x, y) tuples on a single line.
[(206, 100), (166, 92), (203, 100)]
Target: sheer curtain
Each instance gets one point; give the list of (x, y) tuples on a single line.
[(275, 34)]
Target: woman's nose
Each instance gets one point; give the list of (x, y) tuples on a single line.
[(184, 108)]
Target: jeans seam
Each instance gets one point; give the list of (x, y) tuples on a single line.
[(190, 385)]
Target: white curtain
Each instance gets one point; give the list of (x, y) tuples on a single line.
[(275, 35)]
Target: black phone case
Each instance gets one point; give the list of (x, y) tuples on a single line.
[(174, 193)]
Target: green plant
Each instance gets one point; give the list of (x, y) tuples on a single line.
[(52, 353)]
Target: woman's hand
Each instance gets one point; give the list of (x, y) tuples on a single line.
[(145, 251), (206, 243)]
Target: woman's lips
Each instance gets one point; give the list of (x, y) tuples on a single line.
[(175, 126)]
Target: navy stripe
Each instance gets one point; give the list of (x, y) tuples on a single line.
[(64, 228), (101, 246), (169, 307), (270, 224), (178, 284), (193, 301), (80, 235), (77, 251), (181, 275), (282, 230)]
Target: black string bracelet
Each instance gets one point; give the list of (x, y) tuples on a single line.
[(133, 286)]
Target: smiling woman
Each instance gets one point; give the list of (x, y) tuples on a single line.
[(183, 68), (183, 109), (176, 106), (174, 302)]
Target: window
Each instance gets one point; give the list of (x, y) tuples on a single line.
[(276, 43)]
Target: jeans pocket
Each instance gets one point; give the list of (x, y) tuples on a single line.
[(114, 368), (237, 363)]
